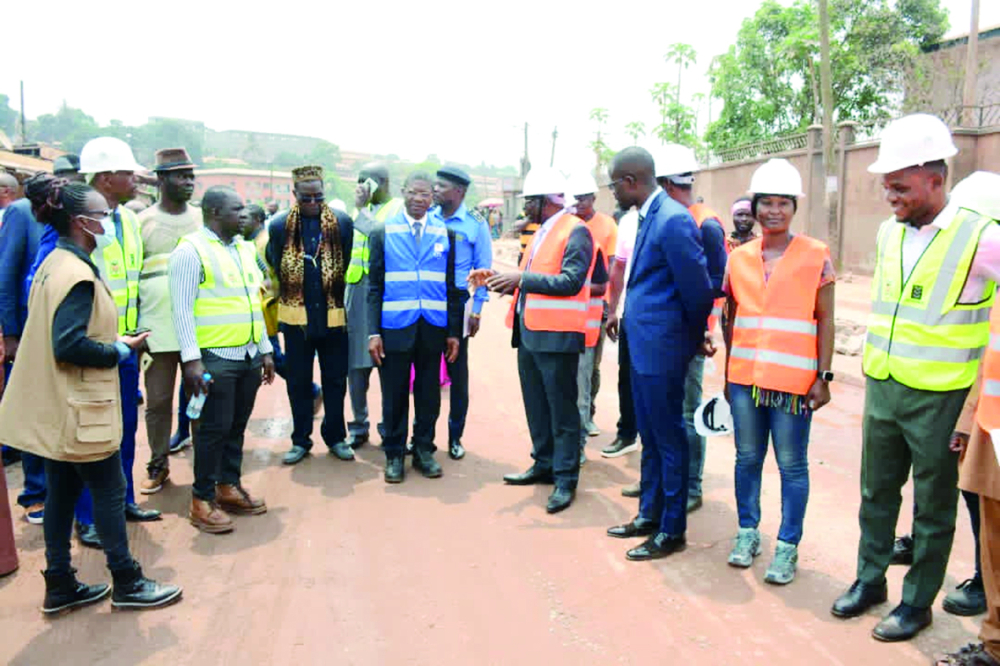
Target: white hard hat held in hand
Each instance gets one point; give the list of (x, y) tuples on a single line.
[(713, 417), (911, 141), (777, 176)]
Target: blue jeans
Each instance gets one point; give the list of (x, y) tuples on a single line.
[(696, 443), (790, 433)]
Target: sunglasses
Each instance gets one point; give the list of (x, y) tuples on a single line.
[(310, 198)]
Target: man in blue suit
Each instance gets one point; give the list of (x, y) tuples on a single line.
[(669, 300)]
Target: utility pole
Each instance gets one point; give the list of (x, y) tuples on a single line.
[(525, 162), (552, 159), (24, 126), (971, 69), (829, 148)]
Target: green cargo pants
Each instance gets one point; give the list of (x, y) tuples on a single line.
[(904, 427)]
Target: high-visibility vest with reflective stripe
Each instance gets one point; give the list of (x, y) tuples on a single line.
[(268, 297), (988, 410), (774, 333), (700, 213), (415, 278), (119, 265), (918, 333), (560, 314), (227, 310), (358, 268)]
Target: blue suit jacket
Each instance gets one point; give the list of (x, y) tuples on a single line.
[(20, 235), (669, 293)]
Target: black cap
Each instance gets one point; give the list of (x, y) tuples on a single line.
[(455, 175), (68, 163)]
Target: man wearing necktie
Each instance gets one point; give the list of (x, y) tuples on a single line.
[(415, 313)]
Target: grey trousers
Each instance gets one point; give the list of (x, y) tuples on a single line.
[(358, 381), (584, 398)]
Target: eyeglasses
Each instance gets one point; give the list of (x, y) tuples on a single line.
[(615, 183), (310, 198), (96, 215)]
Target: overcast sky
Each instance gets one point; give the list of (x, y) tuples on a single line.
[(411, 78)]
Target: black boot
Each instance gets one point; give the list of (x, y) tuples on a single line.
[(64, 592), (133, 590)]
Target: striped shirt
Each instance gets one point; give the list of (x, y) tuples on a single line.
[(186, 273)]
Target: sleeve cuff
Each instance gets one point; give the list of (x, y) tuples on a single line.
[(190, 355), (124, 351)]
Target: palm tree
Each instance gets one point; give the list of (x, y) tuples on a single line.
[(683, 55), (635, 129)]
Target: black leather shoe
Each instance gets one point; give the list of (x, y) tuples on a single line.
[(134, 514), (395, 471), (343, 451), (633, 528), (967, 599), (560, 499), (902, 624), (134, 590), (859, 598), (357, 441), (295, 455), (64, 592), (530, 477), (87, 534), (423, 462), (455, 449), (657, 546), (902, 550)]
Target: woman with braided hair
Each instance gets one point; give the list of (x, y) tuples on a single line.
[(72, 345)]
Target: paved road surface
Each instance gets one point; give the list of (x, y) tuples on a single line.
[(344, 569)]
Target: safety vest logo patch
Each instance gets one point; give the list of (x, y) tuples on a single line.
[(115, 268), (917, 292)]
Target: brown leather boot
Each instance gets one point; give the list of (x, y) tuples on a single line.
[(236, 499), (208, 517)]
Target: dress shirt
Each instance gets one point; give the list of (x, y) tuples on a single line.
[(411, 221), (473, 249), (649, 202), (186, 273)]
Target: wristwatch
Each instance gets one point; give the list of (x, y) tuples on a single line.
[(826, 375)]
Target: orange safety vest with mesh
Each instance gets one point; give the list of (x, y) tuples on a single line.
[(988, 411), (700, 213), (774, 332), (560, 314)]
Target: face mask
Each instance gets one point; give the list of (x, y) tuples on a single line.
[(107, 230)]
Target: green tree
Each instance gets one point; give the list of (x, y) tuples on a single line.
[(769, 79), (8, 117), (635, 129), (602, 151), (68, 126), (325, 154), (165, 133), (682, 55)]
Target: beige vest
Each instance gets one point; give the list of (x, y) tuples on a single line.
[(55, 410)]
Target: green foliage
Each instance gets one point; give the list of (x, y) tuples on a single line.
[(8, 117), (72, 127), (677, 120), (635, 129), (769, 79)]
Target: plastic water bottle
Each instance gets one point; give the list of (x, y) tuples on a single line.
[(198, 401)]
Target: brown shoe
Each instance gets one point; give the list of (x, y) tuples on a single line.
[(631, 491), (208, 517), (154, 483), (236, 499)]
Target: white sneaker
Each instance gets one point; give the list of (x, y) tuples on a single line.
[(746, 548)]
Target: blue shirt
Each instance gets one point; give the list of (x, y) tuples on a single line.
[(19, 238), (473, 249)]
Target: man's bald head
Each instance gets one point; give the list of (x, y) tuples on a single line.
[(633, 176), (8, 188)]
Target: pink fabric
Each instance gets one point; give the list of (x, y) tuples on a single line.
[(8, 551), (444, 378)]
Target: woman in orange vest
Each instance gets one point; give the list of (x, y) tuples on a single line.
[(779, 339)]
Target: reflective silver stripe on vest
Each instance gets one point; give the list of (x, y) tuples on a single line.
[(413, 276), (400, 306), (593, 323), (716, 311), (438, 306), (597, 303), (435, 231), (223, 319), (561, 304), (397, 229), (924, 352), (776, 324), (991, 387), (432, 276), (994, 342), (928, 318), (123, 310), (223, 292), (777, 358), (117, 285)]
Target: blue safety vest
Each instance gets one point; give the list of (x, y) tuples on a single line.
[(415, 282)]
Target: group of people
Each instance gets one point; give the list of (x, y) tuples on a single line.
[(90, 293)]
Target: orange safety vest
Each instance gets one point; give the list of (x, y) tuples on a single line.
[(561, 314), (700, 213), (988, 411), (774, 333)]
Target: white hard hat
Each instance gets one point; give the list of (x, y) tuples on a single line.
[(543, 180), (979, 192), (777, 176), (581, 183), (913, 140), (106, 153), (337, 204), (676, 162), (713, 417)]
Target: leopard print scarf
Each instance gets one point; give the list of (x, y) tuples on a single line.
[(329, 258)]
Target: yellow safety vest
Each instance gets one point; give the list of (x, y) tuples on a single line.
[(227, 310), (918, 333), (119, 265), (269, 297), (358, 268)]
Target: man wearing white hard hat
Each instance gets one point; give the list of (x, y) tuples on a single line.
[(937, 265), (675, 169), (548, 317), (604, 230)]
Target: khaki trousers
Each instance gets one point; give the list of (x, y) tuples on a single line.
[(161, 378), (989, 539)]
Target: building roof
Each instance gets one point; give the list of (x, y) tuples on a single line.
[(960, 37), (243, 172), (26, 163)]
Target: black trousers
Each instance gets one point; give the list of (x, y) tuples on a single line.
[(424, 354), (332, 352), (218, 434), (458, 372), (628, 430), (549, 389)]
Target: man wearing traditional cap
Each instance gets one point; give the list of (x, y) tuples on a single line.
[(162, 226), (473, 251), (309, 248), (936, 271)]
